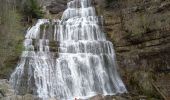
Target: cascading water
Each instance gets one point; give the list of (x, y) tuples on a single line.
[(85, 65)]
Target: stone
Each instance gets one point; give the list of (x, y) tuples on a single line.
[(119, 98), (150, 50), (5, 88), (98, 97), (57, 7)]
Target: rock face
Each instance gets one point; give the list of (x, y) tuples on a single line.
[(140, 32), (7, 93), (57, 7), (53, 7)]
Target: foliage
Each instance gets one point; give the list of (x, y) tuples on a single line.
[(11, 30), (110, 1), (32, 9)]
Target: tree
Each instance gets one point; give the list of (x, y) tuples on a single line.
[(31, 9)]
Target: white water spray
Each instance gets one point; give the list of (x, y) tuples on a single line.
[(85, 65)]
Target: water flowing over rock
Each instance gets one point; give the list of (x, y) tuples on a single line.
[(85, 65)]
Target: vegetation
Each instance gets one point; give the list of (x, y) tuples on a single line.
[(10, 34), (31, 9), (110, 2), (12, 17)]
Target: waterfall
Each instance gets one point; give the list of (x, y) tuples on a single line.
[(68, 58)]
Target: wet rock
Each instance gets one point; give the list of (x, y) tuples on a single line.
[(99, 97), (7, 93), (5, 88), (17, 97), (148, 50), (119, 98), (56, 8)]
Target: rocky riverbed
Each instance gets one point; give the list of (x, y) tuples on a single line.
[(7, 93)]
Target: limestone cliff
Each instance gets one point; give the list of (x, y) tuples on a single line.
[(140, 32)]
